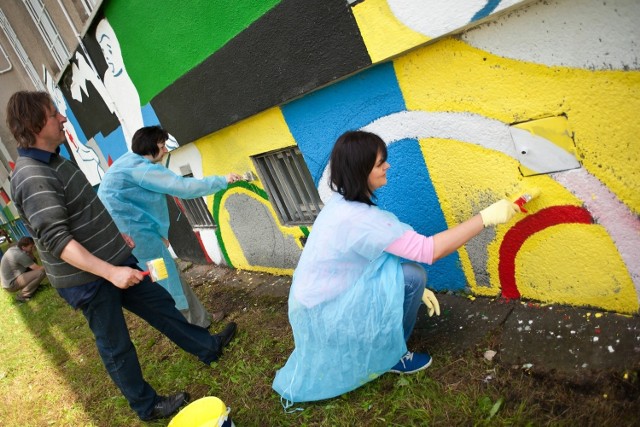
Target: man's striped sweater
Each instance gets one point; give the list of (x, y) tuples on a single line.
[(57, 204)]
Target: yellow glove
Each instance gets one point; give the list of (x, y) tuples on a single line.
[(499, 212), (429, 299)]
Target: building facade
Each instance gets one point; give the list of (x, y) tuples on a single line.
[(477, 100)]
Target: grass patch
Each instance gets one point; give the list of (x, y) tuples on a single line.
[(51, 374)]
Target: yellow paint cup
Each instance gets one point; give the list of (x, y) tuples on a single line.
[(205, 412)]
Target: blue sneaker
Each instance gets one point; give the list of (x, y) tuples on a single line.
[(412, 362)]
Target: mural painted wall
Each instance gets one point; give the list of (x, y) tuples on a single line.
[(477, 100)]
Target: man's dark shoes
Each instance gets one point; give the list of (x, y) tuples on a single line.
[(166, 406), (227, 334)]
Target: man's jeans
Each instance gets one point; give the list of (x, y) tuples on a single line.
[(154, 304), (415, 279)]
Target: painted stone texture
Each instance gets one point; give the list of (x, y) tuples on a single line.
[(444, 85)]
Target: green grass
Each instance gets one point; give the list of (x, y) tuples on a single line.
[(51, 374)]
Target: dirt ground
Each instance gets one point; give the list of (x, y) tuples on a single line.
[(595, 397)]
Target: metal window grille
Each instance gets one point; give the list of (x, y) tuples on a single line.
[(5, 62), (290, 186), (20, 52), (89, 5), (196, 210), (48, 30)]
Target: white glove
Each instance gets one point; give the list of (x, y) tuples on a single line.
[(499, 212), (429, 299)]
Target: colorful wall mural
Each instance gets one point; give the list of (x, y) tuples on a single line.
[(477, 100)]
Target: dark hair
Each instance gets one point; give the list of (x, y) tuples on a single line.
[(25, 241), (145, 140), (27, 115), (352, 159)]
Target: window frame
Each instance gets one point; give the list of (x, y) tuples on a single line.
[(288, 182), (49, 31), (195, 209)]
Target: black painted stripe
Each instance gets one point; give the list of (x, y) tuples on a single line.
[(291, 50)]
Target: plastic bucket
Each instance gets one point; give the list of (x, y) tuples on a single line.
[(205, 412)]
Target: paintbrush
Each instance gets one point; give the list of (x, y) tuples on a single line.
[(526, 197), (156, 270)]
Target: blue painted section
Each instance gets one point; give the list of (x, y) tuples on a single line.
[(149, 117), (64, 152), (71, 118), (410, 195), (317, 120), (486, 10), (113, 145)]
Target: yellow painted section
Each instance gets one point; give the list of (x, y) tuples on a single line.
[(229, 150), (378, 26), (485, 186), (601, 106), (466, 189), (233, 246), (581, 263)]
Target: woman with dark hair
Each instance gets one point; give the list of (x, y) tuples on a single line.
[(353, 301)]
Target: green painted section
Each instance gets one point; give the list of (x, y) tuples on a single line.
[(8, 214), (163, 39)]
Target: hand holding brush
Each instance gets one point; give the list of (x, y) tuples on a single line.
[(156, 270)]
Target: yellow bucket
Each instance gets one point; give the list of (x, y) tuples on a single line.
[(205, 412)]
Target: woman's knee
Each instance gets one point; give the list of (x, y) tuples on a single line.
[(414, 273)]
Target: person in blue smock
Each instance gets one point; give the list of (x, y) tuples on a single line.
[(354, 301), (134, 192)]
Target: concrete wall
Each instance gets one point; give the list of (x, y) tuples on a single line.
[(477, 100)]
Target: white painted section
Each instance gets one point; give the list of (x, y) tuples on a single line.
[(81, 73), (118, 83), (188, 155), (489, 133), (434, 18), (547, 32), (86, 157), (539, 154), (210, 242)]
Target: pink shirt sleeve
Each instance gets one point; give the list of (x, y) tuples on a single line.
[(413, 246)]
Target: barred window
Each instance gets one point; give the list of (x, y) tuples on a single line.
[(20, 52), (48, 30), (196, 209), (290, 186), (5, 62)]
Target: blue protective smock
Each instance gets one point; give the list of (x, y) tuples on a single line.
[(345, 303), (134, 191)]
